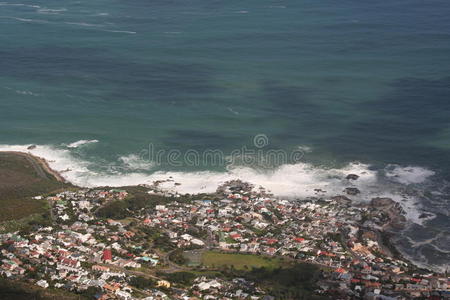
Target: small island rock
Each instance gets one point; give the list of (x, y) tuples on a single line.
[(352, 191), (352, 177)]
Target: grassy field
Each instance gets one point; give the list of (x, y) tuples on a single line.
[(20, 179), (239, 261)]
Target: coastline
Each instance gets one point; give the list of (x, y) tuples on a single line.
[(385, 239), (39, 162)]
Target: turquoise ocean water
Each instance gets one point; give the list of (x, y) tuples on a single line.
[(355, 86)]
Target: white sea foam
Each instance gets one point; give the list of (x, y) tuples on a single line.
[(28, 93), (133, 162), (19, 4), (83, 24), (121, 31), (81, 143), (230, 109), (51, 11), (304, 148), (429, 241), (24, 19), (408, 175), (299, 180)]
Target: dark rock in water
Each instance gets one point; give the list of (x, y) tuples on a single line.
[(425, 215), (31, 147), (236, 185), (394, 211), (352, 191), (398, 222), (352, 177)]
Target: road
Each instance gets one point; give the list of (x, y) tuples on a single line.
[(131, 272)]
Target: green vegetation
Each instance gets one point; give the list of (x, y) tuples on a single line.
[(142, 282), (178, 257), (183, 278), (296, 282), (91, 292), (158, 238), (22, 291), (138, 198), (26, 224), (293, 282), (21, 178), (239, 261)]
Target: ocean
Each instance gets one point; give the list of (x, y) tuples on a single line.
[(289, 95)]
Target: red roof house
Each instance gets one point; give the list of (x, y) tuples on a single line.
[(107, 255)]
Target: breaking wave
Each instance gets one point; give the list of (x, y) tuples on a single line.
[(24, 19), (84, 24), (51, 11), (133, 162), (408, 175), (19, 4), (81, 143), (121, 31)]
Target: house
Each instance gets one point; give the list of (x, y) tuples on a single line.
[(42, 283), (163, 283), (100, 268), (111, 288), (123, 295), (203, 286), (107, 255), (197, 242), (67, 263), (299, 240)]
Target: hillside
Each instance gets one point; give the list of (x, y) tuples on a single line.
[(22, 177)]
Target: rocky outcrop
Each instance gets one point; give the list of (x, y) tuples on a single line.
[(235, 186), (352, 191), (390, 212), (341, 199), (425, 215), (352, 177), (382, 202)]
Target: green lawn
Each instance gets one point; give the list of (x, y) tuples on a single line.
[(239, 261)]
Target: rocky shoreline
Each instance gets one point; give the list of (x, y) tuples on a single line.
[(386, 216)]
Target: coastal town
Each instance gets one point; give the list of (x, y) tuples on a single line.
[(108, 243)]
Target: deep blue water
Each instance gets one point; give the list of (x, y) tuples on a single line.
[(365, 81)]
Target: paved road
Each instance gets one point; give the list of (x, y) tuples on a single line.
[(130, 272)]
